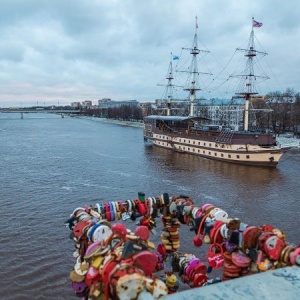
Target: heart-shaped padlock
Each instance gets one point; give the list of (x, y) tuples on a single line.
[(215, 256)]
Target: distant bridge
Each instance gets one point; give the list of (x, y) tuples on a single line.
[(50, 111)]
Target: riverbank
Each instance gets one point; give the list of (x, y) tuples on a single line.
[(113, 121), (282, 140)]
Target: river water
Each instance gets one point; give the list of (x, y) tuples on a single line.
[(50, 165)]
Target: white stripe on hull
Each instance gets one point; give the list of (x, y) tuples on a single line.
[(242, 154)]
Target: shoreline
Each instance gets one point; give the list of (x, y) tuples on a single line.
[(113, 121), (282, 140)]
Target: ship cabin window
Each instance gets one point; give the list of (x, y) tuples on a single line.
[(198, 151), (222, 155), (203, 152), (188, 149), (209, 144), (184, 141), (208, 153), (215, 153), (179, 140), (194, 142), (216, 145), (189, 141), (237, 156), (229, 156), (193, 150), (198, 143), (248, 156), (204, 144)]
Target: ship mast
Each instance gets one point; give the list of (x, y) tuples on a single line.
[(193, 85), (169, 87), (248, 89)]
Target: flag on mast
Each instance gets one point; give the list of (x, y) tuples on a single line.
[(256, 24)]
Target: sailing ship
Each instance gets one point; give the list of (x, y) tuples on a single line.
[(194, 135)]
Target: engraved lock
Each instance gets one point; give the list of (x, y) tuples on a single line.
[(215, 259), (200, 280)]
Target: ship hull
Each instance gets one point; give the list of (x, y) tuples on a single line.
[(239, 150)]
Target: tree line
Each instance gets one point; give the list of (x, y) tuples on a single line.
[(285, 111), (283, 115)]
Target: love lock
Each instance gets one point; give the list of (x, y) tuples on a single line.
[(240, 259), (120, 284), (273, 247), (146, 261), (81, 267), (79, 288), (156, 287), (79, 228), (95, 249), (198, 240), (200, 280), (93, 273), (215, 259), (119, 229), (101, 233), (129, 286), (131, 248), (142, 232)]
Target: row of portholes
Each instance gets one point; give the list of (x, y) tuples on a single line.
[(194, 143), (209, 153)]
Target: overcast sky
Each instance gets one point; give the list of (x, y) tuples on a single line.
[(74, 50)]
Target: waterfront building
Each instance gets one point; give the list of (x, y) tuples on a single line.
[(108, 103)]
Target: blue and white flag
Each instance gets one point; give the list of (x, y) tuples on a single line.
[(257, 24)]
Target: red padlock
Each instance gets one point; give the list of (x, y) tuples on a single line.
[(198, 240), (273, 247), (240, 259), (143, 232), (119, 229), (200, 280), (199, 237), (215, 259)]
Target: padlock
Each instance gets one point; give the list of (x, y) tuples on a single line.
[(200, 268), (197, 241), (142, 232), (79, 288), (215, 259), (146, 261), (273, 247), (131, 248), (200, 280), (129, 286), (156, 287), (240, 259)]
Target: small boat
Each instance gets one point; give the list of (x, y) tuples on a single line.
[(195, 135)]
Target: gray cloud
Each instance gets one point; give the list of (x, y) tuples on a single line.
[(63, 50)]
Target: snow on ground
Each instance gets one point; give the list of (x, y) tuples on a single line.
[(288, 142)]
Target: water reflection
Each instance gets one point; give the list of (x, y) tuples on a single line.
[(202, 167)]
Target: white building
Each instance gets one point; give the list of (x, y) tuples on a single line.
[(87, 104), (227, 115)]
